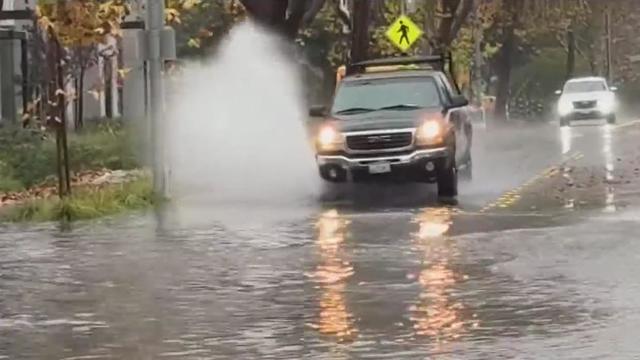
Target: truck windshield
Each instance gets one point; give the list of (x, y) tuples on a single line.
[(392, 94), (584, 86)]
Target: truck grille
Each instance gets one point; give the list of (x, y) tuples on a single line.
[(379, 141), (585, 104)]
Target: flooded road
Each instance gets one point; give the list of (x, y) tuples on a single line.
[(511, 271)]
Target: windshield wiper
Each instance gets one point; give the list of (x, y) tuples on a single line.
[(354, 111), (401, 107)]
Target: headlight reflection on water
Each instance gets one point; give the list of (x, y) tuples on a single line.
[(331, 275), (436, 313)]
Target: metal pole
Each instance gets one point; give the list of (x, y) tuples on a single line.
[(155, 21), (607, 24)]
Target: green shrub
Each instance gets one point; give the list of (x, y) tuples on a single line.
[(29, 156), (86, 203)]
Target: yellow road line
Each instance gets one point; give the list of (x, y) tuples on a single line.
[(630, 123), (513, 196)]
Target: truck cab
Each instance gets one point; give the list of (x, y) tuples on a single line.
[(397, 120)]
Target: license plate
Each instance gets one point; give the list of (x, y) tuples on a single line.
[(379, 168)]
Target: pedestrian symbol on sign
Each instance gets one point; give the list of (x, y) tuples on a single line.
[(404, 33), (404, 30)]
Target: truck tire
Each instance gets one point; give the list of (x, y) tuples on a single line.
[(448, 181), (611, 119), (564, 122)]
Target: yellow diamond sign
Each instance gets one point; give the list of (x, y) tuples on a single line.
[(403, 33)]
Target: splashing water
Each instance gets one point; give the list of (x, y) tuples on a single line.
[(237, 125)]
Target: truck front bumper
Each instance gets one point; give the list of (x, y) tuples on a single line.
[(418, 166)]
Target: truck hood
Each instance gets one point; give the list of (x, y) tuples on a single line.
[(383, 120)]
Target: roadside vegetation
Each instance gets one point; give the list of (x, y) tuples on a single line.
[(87, 202), (28, 174), (28, 156)]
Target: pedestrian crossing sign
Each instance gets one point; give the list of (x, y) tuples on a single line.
[(403, 33)]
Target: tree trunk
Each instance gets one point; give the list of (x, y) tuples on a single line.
[(62, 115), (449, 8), (59, 162), (504, 77), (360, 35), (571, 54), (505, 59), (108, 87), (269, 13), (62, 112), (80, 97)]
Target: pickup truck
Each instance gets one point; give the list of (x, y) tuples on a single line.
[(395, 119)]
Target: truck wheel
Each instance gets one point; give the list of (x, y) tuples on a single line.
[(564, 122), (448, 181), (611, 119)]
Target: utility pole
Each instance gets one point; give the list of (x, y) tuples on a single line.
[(161, 42), (607, 24)]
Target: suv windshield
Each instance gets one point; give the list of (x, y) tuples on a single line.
[(584, 86), (376, 94)]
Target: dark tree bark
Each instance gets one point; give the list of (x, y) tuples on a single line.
[(284, 16), (108, 87), (512, 9), (80, 93), (571, 53), (456, 13), (360, 34)]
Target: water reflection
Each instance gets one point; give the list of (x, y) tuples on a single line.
[(436, 313), (331, 275), (609, 169), (566, 138), (569, 201)]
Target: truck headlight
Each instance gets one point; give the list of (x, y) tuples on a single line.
[(606, 105), (564, 107), (430, 133), (330, 139)]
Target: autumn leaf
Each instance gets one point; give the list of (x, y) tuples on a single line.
[(123, 72), (194, 43), (205, 33), (172, 15), (189, 4)]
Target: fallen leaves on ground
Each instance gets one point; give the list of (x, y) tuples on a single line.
[(48, 188)]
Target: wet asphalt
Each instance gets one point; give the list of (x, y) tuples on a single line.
[(536, 260)]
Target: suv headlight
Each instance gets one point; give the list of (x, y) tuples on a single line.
[(431, 132), (564, 107), (330, 139)]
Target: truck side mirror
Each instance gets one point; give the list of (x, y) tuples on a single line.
[(318, 111), (459, 101)]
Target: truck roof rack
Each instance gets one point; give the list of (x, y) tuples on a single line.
[(419, 62), (442, 62)]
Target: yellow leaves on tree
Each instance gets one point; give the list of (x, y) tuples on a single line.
[(82, 23)]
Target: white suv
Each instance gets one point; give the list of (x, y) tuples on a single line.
[(585, 99)]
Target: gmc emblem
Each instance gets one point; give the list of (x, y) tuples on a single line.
[(378, 139)]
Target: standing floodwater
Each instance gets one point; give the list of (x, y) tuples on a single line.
[(237, 125)]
